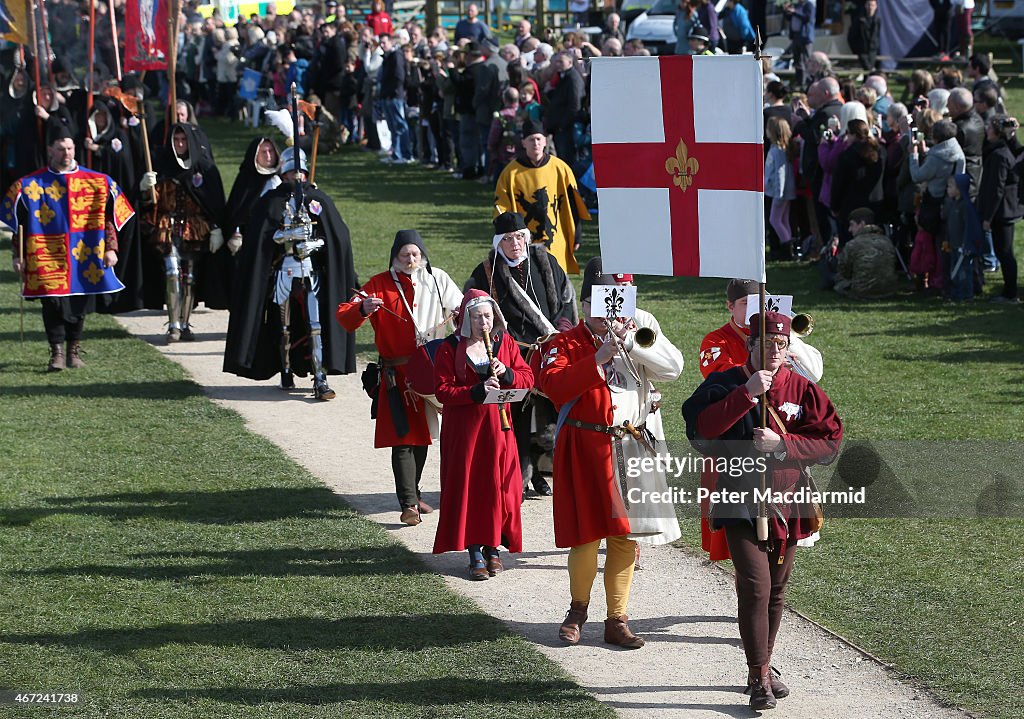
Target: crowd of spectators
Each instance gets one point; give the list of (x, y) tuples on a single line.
[(834, 148), (935, 170)]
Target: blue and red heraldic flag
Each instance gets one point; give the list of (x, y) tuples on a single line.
[(679, 165), (65, 231)]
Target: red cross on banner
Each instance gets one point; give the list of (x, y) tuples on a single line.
[(679, 165)]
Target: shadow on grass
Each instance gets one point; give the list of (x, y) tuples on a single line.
[(264, 504), (438, 692), (291, 562), (380, 632), (167, 390)]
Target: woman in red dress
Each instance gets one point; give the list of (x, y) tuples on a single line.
[(481, 485)]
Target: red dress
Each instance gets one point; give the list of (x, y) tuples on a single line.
[(586, 504), (481, 484), (721, 350), (396, 342)]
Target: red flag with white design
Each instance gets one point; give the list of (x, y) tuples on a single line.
[(679, 165), (145, 35)]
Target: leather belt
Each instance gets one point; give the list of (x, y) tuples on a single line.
[(394, 361), (619, 432)]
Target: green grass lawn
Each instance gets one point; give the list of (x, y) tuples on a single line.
[(162, 561), (938, 598), (155, 577)]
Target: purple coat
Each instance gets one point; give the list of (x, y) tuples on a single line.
[(828, 157)]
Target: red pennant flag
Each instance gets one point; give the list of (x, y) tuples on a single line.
[(145, 35)]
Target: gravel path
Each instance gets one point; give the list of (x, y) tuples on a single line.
[(693, 664)]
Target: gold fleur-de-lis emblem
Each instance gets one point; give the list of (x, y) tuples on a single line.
[(44, 214), (682, 168), (81, 251), (100, 248), (33, 191), (93, 273), (55, 192)]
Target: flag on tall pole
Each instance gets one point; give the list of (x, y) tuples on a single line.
[(14, 21), (679, 165), (146, 44)]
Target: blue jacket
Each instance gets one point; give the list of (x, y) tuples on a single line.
[(740, 20)]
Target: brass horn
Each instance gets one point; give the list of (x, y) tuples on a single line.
[(802, 324), (645, 337)]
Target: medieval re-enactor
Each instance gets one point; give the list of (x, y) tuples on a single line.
[(108, 144), (257, 175), (605, 420), (543, 190), (803, 429), (725, 348), (479, 463), (69, 217), (535, 297), (294, 268), (185, 226), (408, 306)]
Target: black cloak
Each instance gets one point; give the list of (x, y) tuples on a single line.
[(114, 158), (245, 193), (253, 345), (202, 181)]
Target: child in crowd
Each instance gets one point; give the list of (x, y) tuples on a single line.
[(780, 181), (964, 239)]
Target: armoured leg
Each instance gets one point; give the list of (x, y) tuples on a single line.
[(187, 295), (172, 294), (320, 387), (285, 307)]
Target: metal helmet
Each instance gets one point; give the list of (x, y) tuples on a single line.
[(288, 161)]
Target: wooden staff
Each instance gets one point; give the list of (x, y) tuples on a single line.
[(46, 43), (92, 68), (316, 143), (113, 34), (21, 290), (502, 409), (149, 159), (172, 67), (762, 506), (35, 67)]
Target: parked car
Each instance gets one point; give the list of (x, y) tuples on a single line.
[(654, 27), (630, 10)]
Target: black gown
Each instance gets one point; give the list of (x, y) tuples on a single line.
[(202, 181), (253, 342)]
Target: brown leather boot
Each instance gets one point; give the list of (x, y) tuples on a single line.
[(780, 690), (616, 631), (56, 357), (570, 630), (759, 683), (74, 355)]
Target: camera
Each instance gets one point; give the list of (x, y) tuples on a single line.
[(916, 134), (828, 134)]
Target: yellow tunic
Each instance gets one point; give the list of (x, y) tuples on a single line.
[(549, 200)]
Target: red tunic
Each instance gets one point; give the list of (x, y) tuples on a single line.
[(481, 484), (395, 340), (722, 349), (586, 506), (813, 432)]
